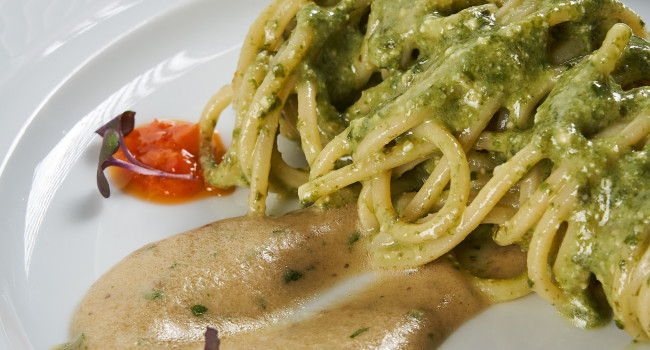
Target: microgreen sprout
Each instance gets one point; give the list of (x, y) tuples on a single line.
[(113, 134)]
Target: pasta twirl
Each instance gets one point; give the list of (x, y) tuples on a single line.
[(438, 117)]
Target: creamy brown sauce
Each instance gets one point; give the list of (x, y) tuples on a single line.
[(260, 281)]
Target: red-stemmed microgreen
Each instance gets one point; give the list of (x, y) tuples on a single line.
[(113, 134)]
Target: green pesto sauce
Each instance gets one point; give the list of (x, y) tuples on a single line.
[(449, 63)]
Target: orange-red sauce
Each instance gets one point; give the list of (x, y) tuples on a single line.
[(171, 146)]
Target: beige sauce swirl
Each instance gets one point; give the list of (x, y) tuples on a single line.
[(297, 281)]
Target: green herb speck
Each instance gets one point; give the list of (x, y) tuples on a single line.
[(353, 239), (198, 309), (155, 294), (278, 71), (358, 332), (619, 324), (279, 231), (291, 276), (631, 239)]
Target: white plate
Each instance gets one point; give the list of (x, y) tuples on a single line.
[(67, 66)]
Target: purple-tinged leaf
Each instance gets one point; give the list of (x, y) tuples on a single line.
[(113, 134), (212, 340), (123, 123)]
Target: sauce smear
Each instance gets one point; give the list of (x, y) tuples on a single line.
[(171, 146), (267, 283)]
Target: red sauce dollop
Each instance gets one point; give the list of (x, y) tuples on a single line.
[(171, 146)]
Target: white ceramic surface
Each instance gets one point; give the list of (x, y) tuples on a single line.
[(66, 67)]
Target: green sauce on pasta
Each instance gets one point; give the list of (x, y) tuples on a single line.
[(438, 116)]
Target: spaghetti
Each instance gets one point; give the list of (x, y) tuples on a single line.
[(441, 116)]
